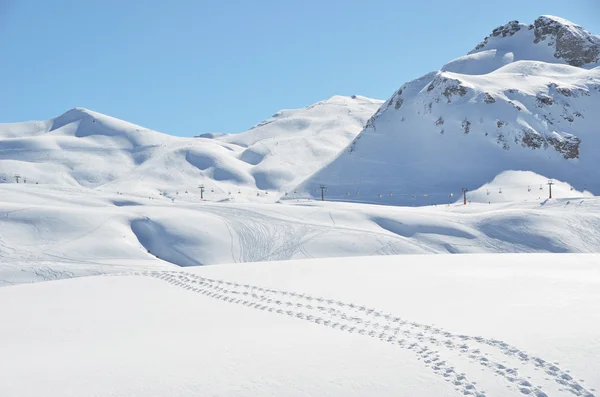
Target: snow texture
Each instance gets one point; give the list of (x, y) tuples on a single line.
[(476, 325)]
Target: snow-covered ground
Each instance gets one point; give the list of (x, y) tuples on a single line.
[(313, 297), (436, 325), (51, 233)]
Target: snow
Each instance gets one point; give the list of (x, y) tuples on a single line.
[(412, 325), (82, 148), (54, 233), (318, 297), (511, 105)]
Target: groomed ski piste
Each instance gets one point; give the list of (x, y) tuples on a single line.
[(49, 233)]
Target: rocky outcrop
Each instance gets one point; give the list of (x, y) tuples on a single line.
[(501, 31), (572, 43)]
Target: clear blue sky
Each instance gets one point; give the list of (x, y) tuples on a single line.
[(188, 67)]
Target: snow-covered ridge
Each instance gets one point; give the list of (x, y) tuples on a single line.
[(85, 148), (512, 104)]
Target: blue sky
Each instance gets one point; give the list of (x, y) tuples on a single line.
[(188, 67)]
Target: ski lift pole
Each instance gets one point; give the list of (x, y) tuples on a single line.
[(465, 190)]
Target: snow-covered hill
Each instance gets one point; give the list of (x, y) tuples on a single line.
[(463, 325), (57, 233), (293, 144), (525, 99), (82, 148)]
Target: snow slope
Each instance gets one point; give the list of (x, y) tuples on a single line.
[(476, 325), (50, 234), (82, 148), (525, 99), (295, 143)]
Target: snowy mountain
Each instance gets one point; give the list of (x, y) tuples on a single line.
[(523, 99), (82, 148), (293, 144)]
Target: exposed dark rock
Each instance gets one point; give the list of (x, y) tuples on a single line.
[(487, 98), (454, 90), (506, 30), (568, 146), (399, 103), (531, 139), (515, 106), (466, 126), (564, 91), (574, 44), (544, 100), (439, 121)]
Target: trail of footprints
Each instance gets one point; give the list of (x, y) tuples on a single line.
[(422, 339)]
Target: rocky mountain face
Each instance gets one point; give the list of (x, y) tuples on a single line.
[(526, 98), (566, 41)]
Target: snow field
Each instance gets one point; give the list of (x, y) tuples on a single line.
[(476, 325)]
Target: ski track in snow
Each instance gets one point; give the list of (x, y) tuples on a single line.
[(424, 340), (260, 237)]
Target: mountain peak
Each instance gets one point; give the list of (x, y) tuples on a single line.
[(572, 43), (565, 42)]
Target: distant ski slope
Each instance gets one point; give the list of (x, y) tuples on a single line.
[(48, 234)]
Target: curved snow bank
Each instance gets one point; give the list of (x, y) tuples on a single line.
[(162, 242)]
